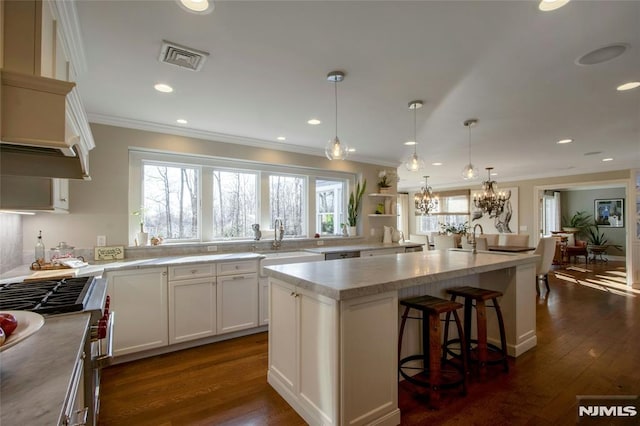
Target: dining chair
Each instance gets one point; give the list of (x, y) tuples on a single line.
[(444, 242), (521, 240), (481, 243), (546, 249)]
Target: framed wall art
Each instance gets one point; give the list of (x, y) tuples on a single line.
[(609, 213)]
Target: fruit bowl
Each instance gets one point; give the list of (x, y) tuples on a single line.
[(28, 324)]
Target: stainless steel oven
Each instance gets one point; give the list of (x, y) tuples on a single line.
[(101, 349)]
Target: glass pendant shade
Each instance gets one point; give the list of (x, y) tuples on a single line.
[(469, 172), (335, 150), (414, 163)]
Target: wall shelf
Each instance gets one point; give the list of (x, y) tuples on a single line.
[(377, 194), (382, 215)]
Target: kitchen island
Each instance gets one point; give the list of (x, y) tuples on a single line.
[(334, 325)]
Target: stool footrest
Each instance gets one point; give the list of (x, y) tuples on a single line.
[(449, 377)]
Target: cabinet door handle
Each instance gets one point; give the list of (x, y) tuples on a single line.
[(239, 277), (164, 273)]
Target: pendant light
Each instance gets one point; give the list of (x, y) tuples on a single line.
[(491, 200), (414, 163), (469, 172), (335, 150), (425, 201)]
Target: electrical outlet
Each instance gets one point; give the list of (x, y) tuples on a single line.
[(320, 242), (101, 241), (212, 248)]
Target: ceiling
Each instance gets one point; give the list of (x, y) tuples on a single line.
[(507, 64)]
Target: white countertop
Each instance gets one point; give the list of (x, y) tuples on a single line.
[(35, 374), (350, 278)]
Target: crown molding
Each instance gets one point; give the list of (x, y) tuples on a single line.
[(66, 14), (150, 126)]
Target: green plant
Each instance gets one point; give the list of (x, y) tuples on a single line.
[(355, 203), (140, 214), (581, 221), (596, 238), (383, 181), (455, 228)]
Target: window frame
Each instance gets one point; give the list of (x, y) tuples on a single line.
[(206, 165), (466, 216)]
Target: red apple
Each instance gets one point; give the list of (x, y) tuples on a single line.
[(8, 323)]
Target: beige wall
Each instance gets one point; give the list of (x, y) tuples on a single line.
[(100, 206)]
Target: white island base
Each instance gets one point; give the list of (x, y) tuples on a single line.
[(333, 343)]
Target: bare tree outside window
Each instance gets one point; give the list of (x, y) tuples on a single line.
[(235, 204), (287, 201), (170, 201), (329, 206)]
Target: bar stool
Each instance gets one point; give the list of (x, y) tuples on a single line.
[(434, 367), (484, 353)]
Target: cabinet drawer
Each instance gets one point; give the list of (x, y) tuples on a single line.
[(240, 267), (199, 270), (381, 252)]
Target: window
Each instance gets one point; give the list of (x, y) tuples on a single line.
[(196, 198), (170, 201), (330, 195), (453, 208), (287, 202), (235, 203)]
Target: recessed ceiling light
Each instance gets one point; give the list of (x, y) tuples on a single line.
[(436, 164), (314, 121), (351, 149), (201, 7), (164, 88), (563, 141), (410, 143), (602, 54), (549, 5), (607, 159), (628, 86), (281, 138), (181, 121)]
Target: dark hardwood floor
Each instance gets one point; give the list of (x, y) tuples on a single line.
[(588, 330)]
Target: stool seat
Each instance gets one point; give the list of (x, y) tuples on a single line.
[(474, 293), (431, 304), (483, 353), (434, 374)]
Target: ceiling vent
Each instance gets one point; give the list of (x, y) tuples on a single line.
[(181, 56)]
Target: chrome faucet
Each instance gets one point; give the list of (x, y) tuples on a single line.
[(473, 236), (278, 233)]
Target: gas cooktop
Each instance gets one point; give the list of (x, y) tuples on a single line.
[(46, 297)]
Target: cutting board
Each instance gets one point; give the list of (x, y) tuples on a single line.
[(51, 274)]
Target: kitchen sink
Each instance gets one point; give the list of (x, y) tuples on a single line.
[(285, 257)]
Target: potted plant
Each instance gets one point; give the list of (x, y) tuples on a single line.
[(142, 237), (355, 205), (384, 182), (579, 223)]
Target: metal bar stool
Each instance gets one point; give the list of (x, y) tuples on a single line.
[(438, 375), (484, 353)]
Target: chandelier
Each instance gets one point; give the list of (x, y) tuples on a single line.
[(425, 200), (335, 150), (490, 200)]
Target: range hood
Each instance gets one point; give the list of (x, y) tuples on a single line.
[(37, 137)]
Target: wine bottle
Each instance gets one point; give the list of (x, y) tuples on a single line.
[(40, 250)]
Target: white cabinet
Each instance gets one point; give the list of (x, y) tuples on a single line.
[(237, 295), (237, 302), (192, 303), (263, 301), (34, 193), (140, 299), (303, 351)]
